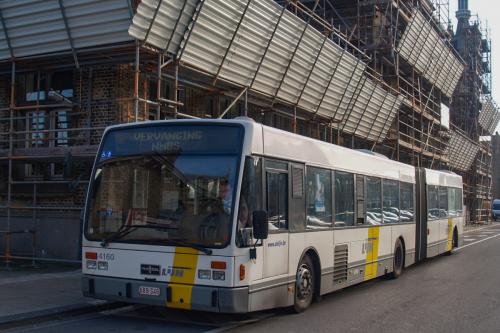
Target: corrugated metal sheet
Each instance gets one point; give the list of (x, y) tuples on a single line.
[(37, 27), (162, 23), (461, 151), (489, 116), (260, 45), (423, 48), (373, 112)]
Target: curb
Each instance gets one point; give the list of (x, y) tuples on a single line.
[(41, 316)]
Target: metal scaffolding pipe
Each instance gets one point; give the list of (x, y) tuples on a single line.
[(136, 82), (233, 102), (176, 87), (158, 85)]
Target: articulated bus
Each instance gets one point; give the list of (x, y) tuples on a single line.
[(234, 216)]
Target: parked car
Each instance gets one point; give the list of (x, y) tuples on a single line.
[(495, 209)]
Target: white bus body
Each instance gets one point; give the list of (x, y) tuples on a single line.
[(345, 246)]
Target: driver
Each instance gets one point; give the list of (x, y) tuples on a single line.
[(215, 226)]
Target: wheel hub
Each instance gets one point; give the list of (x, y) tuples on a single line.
[(304, 282)]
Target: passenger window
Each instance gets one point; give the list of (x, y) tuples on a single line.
[(374, 214), (406, 211), (319, 198), (250, 200), (459, 203), (344, 199), (452, 209), (443, 202), (391, 201), (432, 202), (277, 200)]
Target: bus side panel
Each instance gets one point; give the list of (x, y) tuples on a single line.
[(459, 223), (354, 243), (384, 257), (408, 234), (319, 241), (434, 240)]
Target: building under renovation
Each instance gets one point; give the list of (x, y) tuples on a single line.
[(393, 77), (495, 140)]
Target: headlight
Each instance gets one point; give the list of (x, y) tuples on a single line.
[(91, 264), (204, 274), (218, 275)]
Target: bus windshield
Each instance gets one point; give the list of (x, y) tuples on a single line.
[(173, 190)]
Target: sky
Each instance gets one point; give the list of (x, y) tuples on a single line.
[(486, 10)]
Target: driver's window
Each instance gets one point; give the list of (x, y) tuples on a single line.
[(250, 200)]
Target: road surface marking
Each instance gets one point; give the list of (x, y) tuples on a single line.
[(477, 242)]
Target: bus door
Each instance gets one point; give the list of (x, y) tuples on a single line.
[(421, 216), (276, 245)]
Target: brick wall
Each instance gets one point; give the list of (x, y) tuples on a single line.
[(102, 92), (4, 102)]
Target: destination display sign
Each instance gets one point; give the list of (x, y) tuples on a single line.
[(172, 139)]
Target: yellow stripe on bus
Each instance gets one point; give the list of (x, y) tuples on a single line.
[(183, 276), (372, 253), (449, 244)]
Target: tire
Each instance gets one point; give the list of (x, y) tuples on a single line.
[(304, 285), (398, 261)]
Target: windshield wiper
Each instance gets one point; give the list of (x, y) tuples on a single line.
[(182, 242), (127, 229), (122, 232)]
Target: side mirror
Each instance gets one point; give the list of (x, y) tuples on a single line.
[(260, 224)]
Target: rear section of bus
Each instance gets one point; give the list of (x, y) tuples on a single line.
[(160, 213), (440, 212)]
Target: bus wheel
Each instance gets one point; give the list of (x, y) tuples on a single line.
[(454, 242), (398, 260), (304, 285)]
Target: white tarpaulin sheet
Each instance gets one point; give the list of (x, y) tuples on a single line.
[(489, 116), (36, 27), (422, 47), (461, 151), (260, 45)]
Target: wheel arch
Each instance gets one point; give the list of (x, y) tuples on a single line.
[(313, 254)]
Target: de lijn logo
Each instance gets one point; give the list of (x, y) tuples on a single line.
[(277, 243), (150, 269)]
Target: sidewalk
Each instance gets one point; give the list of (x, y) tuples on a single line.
[(27, 293)]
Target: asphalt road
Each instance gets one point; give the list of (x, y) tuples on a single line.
[(459, 293)]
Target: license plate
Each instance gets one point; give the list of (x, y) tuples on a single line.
[(149, 291)]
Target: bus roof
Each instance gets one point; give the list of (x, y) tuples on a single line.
[(275, 143), (443, 178)]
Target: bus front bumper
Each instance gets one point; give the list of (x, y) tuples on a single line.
[(203, 298)]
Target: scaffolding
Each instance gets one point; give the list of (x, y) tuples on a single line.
[(474, 112)]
